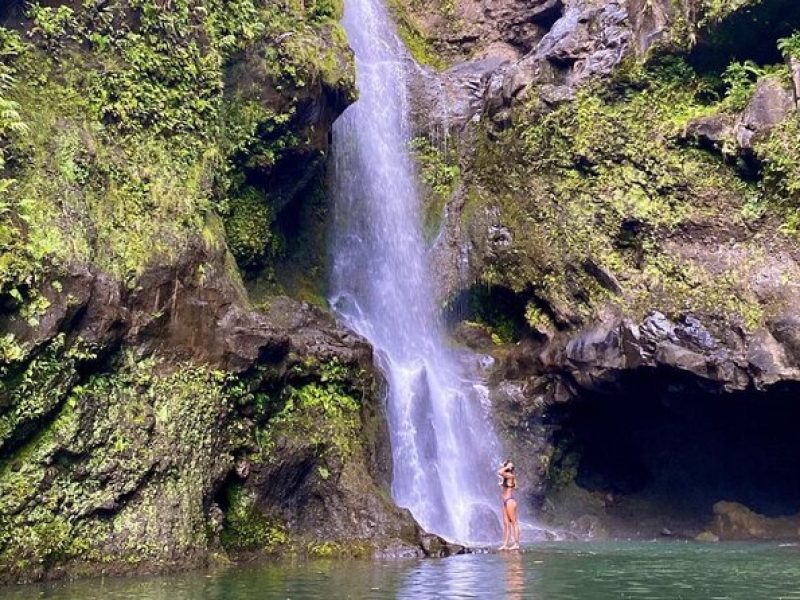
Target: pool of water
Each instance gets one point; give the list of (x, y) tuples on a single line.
[(557, 571)]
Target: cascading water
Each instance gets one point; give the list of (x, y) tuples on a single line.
[(443, 445)]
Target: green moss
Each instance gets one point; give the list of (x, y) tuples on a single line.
[(246, 527), (790, 46), (441, 174), (715, 10), (325, 550), (779, 153), (415, 39), (248, 230), (603, 179), (163, 437), (321, 414), (741, 79), (126, 129), (35, 391), (128, 139)]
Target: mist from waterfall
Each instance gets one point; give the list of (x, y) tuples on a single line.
[(443, 445)]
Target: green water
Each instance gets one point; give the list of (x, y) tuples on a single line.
[(549, 572)]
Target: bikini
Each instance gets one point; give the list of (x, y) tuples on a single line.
[(507, 486)]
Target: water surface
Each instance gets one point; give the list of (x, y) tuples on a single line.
[(559, 571)]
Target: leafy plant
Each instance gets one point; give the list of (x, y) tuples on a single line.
[(248, 230), (438, 168), (780, 155), (11, 123), (740, 79), (790, 46), (716, 10)]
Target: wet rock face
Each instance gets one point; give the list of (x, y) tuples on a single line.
[(130, 410), (771, 104), (149, 419), (653, 21), (641, 428), (576, 351), (587, 41), (733, 362), (597, 357), (551, 45), (735, 522)]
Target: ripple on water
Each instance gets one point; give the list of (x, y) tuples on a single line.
[(561, 571)]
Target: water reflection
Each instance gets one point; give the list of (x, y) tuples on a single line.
[(515, 575), (566, 571)]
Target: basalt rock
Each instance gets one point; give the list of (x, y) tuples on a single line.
[(735, 522), (770, 105), (587, 41), (135, 397), (150, 451), (730, 361), (712, 132), (604, 275)]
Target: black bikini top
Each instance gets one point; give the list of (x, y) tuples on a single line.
[(510, 483)]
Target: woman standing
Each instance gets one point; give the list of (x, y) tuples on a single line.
[(510, 522)]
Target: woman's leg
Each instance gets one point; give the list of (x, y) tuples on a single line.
[(506, 528), (513, 522)]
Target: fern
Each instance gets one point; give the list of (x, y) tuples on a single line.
[(740, 79), (790, 46), (11, 123)]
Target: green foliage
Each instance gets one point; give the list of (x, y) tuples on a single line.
[(248, 230), (415, 39), (601, 179), (780, 156), (624, 147), (440, 172), (129, 142), (535, 317), (246, 527), (34, 389), (740, 79), (790, 46), (11, 124), (438, 168), (716, 10), (321, 414), (125, 128), (162, 436)]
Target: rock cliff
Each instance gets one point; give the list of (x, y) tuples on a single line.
[(162, 403), (620, 208), (611, 197)]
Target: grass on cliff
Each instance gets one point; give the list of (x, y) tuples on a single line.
[(594, 189), (117, 134), (324, 413), (414, 36), (121, 463)]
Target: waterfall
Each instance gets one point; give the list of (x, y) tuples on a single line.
[(443, 445)]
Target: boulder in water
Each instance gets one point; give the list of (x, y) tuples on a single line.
[(734, 521)]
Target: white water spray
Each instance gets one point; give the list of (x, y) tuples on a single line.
[(443, 444)]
